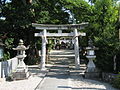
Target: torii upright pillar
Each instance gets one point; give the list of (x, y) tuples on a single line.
[(76, 49), (43, 57), (59, 27)]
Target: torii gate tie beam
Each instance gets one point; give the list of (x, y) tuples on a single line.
[(75, 34)]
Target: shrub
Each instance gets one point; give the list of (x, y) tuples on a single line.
[(116, 82)]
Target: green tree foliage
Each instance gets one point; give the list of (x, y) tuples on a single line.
[(116, 81), (80, 9), (50, 11), (20, 14), (102, 16), (16, 25), (103, 30)]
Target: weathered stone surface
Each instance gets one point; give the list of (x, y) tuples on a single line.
[(21, 75), (90, 75), (21, 70)]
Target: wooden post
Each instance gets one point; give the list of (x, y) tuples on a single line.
[(76, 48), (43, 57)]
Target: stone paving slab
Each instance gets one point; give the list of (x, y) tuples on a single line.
[(56, 79)]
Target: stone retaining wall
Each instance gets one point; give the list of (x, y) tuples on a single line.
[(108, 77)]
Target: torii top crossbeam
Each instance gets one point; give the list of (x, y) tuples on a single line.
[(45, 34), (59, 27)]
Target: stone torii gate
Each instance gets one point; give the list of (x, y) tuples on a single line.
[(44, 34)]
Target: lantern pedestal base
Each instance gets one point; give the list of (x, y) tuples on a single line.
[(21, 73), (91, 75), (91, 71), (91, 66)]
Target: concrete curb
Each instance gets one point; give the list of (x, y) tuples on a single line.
[(40, 83)]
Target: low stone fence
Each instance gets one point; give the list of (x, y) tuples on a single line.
[(108, 77), (6, 67)]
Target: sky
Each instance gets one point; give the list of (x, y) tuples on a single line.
[(8, 1)]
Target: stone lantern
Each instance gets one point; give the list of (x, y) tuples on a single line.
[(1, 49), (91, 71), (22, 70)]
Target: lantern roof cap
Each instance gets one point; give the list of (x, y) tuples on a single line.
[(91, 48), (21, 46)]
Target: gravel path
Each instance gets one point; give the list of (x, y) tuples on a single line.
[(61, 80), (27, 84), (79, 83)]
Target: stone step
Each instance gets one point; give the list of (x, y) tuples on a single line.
[(80, 71), (61, 56)]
